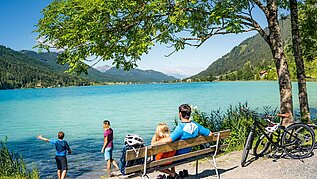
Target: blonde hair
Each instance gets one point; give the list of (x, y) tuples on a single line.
[(162, 131)]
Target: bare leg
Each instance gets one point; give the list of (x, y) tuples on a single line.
[(59, 174), (115, 164), (109, 167), (173, 169), (168, 171), (64, 174)]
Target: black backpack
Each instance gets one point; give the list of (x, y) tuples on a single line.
[(123, 164)]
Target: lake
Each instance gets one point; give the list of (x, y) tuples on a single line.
[(132, 109)]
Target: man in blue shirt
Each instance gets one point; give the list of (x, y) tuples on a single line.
[(186, 129), (61, 147)]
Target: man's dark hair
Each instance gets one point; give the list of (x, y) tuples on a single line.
[(60, 135), (185, 110), (106, 122)]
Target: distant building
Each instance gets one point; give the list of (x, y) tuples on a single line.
[(189, 80), (263, 73), (39, 85)]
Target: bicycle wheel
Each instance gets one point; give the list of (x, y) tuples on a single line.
[(298, 141), (262, 145), (247, 147), (314, 128)]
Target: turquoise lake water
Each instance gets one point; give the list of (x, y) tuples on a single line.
[(79, 112)]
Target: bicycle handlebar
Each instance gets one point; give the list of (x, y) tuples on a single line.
[(266, 117)]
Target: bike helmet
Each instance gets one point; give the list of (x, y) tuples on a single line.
[(133, 139)]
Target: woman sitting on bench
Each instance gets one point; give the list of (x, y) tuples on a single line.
[(162, 131)]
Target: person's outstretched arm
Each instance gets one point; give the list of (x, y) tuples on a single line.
[(42, 138), (162, 141), (175, 135), (204, 131)]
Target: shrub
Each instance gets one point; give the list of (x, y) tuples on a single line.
[(12, 165), (238, 122)]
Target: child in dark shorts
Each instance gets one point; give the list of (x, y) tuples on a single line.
[(61, 147)]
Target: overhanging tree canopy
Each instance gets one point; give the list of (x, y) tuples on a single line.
[(308, 23), (123, 30)]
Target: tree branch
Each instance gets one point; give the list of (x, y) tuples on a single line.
[(254, 24), (262, 7), (95, 62), (91, 60), (203, 39)]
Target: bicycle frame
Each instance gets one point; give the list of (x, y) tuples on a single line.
[(261, 128)]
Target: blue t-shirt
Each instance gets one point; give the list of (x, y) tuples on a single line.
[(187, 130), (61, 147)]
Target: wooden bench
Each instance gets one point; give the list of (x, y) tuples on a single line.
[(149, 151)]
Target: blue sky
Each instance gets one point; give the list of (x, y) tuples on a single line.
[(19, 17)]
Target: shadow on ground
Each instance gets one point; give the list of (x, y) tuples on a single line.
[(211, 173)]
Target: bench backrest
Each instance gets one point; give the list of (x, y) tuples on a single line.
[(153, 150)]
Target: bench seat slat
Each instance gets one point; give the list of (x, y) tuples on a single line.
[(153, 150), (154, 164)]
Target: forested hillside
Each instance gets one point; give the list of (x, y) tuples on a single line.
[(112, 74), (252, 60), (29, 69), (50, 61), (17, 70)]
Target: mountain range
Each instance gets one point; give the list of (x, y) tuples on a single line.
[(102, 68), (27, 69)]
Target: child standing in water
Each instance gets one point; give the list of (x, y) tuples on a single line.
[(162, 131), (107, 147), (61, 147)]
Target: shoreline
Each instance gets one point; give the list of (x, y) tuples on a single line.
[(141, 83)]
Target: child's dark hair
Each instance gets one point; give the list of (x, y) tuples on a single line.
[(61, 135), (106, 122), (185, 110)]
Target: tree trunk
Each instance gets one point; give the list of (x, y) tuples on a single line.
[(300, 69), (277, 48)]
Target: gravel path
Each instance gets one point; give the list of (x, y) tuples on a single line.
[(229, 168)]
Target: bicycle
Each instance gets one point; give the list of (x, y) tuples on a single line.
[(262, 145), (296, 140)]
